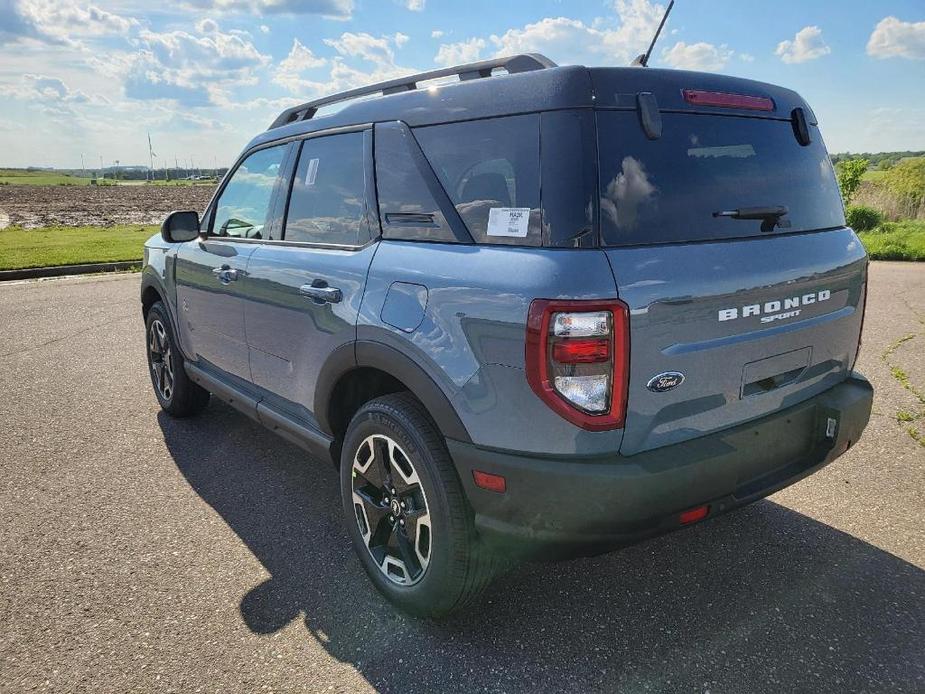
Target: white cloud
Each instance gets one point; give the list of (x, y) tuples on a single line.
[(894, 38), (264, 29), (806, 45), (41, 88), (338, 9), (415, 5), (215, 54), (62, 18), (746, 57), (300, 58), (362, 59), (697, 56), (365, 46), (570, 41), (206, 26), (459, 53), (436, 34), (188, 68), (58, 21)]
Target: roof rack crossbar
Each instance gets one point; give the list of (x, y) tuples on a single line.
[(524, 62)]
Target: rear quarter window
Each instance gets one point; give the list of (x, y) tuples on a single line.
[(666, 190), (490, 170)]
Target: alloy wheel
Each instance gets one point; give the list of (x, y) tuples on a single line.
[(161, 359), (391, 510)]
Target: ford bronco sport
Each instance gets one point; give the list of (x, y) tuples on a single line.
[(529, 311)]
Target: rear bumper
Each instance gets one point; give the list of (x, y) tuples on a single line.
[(561, 507)]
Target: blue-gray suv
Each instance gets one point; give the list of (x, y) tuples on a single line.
[(530, 311)]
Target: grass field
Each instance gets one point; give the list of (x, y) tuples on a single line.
[(896, 241), (50, 246), (19, 177), (874, 175)]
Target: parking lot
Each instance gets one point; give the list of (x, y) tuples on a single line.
[(139, 553)]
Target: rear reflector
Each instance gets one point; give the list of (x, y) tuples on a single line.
[(693, 515), (486, 480), (725, 100)]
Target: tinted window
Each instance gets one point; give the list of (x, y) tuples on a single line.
[(244, 205), (328, 201), (568, 142), (665, 190), (490, 170), (407, 208)]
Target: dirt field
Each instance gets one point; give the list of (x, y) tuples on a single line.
[(38, 206)]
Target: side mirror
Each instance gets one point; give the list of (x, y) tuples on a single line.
[(180, 227)]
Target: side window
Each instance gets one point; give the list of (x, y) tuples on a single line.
[(407, 208), (328, 200), (491, 171), (244, 205)]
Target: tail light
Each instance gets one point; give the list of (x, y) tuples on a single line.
[(578, 359)]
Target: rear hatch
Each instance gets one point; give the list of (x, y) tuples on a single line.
[(730, 318)]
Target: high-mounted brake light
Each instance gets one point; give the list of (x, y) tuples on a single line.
[(699, 97), (577, 358)]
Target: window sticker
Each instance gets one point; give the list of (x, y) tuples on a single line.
[(508, 221), (311, 172)]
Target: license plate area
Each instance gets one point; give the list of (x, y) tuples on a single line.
[(772, 446)]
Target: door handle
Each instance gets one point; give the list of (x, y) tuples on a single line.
[(225, 273), (321, 293)]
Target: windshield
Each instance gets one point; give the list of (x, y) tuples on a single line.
[(667, 190)]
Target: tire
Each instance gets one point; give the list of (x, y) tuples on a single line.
[(176, 393), (448, 567)]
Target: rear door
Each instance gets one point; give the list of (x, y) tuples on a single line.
[(211, 274), (305, 290), (752, 320)]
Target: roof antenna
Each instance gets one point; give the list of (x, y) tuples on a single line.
[(642, 60)]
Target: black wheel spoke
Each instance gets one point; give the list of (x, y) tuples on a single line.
[(377, 473), (406, 552), (381, 531)]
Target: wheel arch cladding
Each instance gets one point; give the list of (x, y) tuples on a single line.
[(150, 295), (352, 377)]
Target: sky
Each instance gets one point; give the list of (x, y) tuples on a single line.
[(204, 76)]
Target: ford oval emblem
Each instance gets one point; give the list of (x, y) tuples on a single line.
[(665, 381)]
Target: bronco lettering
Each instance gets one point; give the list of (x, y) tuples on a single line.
[(773, 307)]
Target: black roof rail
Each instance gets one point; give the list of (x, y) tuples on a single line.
[(524, 62)]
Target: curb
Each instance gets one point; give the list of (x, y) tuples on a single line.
[(62, 270)]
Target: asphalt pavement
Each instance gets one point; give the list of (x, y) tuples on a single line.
[(139, 553)]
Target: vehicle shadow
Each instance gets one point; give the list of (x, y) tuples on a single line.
[(765, 599)]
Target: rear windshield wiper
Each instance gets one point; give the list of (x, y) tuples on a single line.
[(770, 216)]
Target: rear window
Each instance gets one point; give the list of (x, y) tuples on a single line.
[(666, 190)]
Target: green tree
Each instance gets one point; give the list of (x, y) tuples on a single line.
[(906, 180), (850, 172)]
